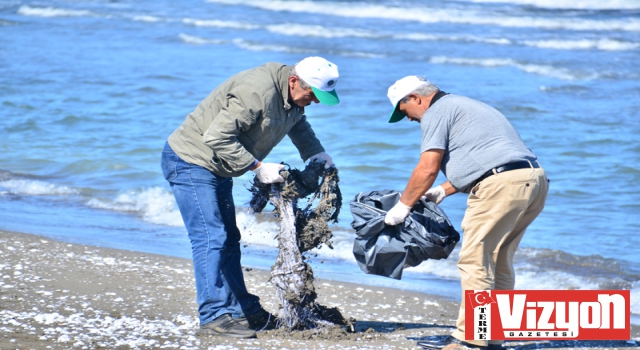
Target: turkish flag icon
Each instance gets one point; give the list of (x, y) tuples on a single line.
[(480, 298)]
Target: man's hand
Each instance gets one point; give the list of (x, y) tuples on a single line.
[(323, 156), (269, 173), (436, 194), (397, 214)]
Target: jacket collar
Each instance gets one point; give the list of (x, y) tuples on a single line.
[(284, 86)]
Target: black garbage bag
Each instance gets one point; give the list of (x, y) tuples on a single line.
[(385, 250)]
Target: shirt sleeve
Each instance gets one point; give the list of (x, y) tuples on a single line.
[(435, 133), (305, 140), (222, 135)]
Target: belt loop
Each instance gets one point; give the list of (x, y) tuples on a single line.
[(530, 164), (494, 171)]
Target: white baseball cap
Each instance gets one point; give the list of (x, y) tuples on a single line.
[(322, 76), (398, 91)]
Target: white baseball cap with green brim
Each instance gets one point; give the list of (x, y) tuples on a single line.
[(322, 76), (399, 90)]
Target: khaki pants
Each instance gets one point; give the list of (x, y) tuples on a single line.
[(499, 210)]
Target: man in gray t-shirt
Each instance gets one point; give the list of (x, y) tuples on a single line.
[(481, 154)]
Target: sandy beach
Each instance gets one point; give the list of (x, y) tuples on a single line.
[(57, 295)]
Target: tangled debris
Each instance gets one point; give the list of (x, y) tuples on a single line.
[(300, 231)]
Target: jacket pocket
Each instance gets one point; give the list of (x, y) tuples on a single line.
[(220, 163)]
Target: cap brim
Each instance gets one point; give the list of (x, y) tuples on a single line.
[(396, 116), (329, 98)]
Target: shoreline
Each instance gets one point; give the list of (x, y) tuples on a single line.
[(58, 295)]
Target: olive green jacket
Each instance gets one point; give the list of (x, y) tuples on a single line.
[(242, 120)]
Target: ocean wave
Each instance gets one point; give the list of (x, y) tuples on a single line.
[(439, 15), (254, 46), (148, 19), (560, 271), (27, 10), (601, 44), (196, 40), (154, 205), (303, 30), (36, 188), (158, 206), (294, 29), (635, 298), (219, 24), (550, 71), (7, 23), (262, 47), (572, 4), (257, 229), (8, 4)]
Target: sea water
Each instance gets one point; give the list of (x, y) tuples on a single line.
[(90, 90)]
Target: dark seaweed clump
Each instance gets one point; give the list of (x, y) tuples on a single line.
[(316, 182)]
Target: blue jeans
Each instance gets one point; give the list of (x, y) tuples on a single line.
[(206, 204)]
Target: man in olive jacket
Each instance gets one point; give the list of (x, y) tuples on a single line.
[(228, 134)]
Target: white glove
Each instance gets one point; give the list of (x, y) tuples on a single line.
[(397, 214), (323, 156), (269, 173), (435, 194)]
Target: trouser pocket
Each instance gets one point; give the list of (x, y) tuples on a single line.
[(168, 163)]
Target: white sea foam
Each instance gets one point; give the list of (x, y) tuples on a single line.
[(303, 30), (96, 327), (359, 54), (635, 298), (572, 4), (550, 71), (253, 46), (528, 278), (601, 44), (463, 38), (154, 205), (294, 29), (254, 231), (26, 10), (220, 24), (196, 40), (438, 15), (158, 206), (148, 19), (36, 187)]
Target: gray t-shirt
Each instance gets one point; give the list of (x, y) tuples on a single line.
[(475, 138)]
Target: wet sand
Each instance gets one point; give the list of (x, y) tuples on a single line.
[(57, 295)]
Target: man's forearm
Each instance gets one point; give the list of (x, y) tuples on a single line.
[(423, 176), (419, 183), (448, 188)]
